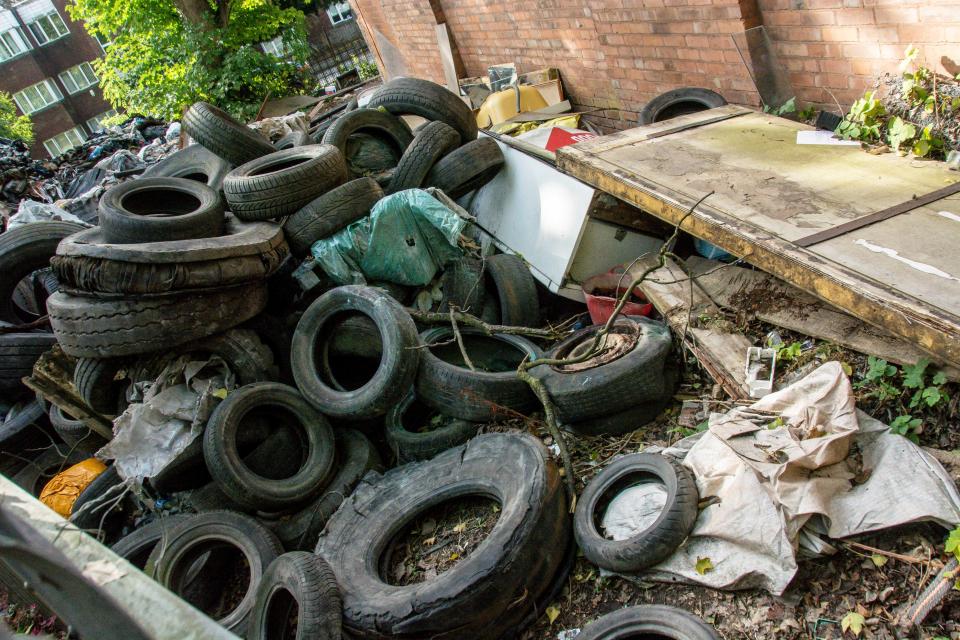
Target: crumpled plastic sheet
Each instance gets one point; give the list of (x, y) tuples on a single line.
[(275, 128), (64, 488), (172, 414), (33, 211), (406, 239), (830, 470)]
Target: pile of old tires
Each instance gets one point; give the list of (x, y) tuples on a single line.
[(348, 419)]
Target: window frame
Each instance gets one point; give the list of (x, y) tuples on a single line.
[(338, 10), (80, 133), (49, 84), (79, 68), (18, 33), (99, 119), (48, 16)]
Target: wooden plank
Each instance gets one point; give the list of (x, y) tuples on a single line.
[(769, 190), (778, 303), (446, 58), (52, 378), (162, 614), (722, 354)]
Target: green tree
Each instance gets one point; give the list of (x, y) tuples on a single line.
[(166, 54), (13, 125)]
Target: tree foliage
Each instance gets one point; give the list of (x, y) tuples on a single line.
[(12, 125), (166, 54)]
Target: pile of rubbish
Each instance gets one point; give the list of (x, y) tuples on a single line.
[(295, 347)]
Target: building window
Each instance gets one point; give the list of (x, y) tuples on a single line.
[(339, 12), (95, 124), (275, 47), (38, 96), (60, 144), (48, 27), (78, 78), (103, 41), (12, 44)]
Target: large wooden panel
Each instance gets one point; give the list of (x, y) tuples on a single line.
[(902, 274)]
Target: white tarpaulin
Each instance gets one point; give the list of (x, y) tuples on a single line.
[(803, 458), (172, 413)]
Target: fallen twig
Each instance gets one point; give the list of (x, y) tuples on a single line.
[(469, 320), (459, 339), (889, 554)]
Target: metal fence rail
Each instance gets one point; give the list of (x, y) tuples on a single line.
[(326, 64)]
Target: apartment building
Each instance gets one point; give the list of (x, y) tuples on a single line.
[(46, 64)]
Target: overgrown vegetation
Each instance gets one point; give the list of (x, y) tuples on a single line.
[(166, 54), (12, 125), (919, 116)]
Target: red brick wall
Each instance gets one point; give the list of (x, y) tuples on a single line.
[(614, 55), (839, 47)]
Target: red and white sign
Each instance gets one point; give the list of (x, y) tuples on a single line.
[(561, 138)]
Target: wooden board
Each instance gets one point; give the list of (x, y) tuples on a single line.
[(902, 274)]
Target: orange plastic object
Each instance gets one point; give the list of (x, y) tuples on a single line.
[(502, 105), (61, 492)]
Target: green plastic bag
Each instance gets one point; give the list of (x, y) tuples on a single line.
[(406, 239)]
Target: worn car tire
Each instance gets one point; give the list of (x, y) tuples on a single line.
[(196, 162), (18, 353), (75, 433), (467, 168), (397, 368), (292, 140), (510, 283), (24, 250), (93, 328), (635, 377), (137, 546), (244, 485), (432, 142), (102, 518), (410, 446), (679, 102), (96, 382), (446, 384), (173, 564), (633, 418), (330, 213), (462, 286), (372, 121), (283, 182), (87, 266), (303, 582), (300, 530), (656, 542), (26, 430), (472, 599), (247, 357), (648, 621), (160, 209), (220, 133), (428, 100)]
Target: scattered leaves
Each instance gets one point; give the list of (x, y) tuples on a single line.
[(852, 622)]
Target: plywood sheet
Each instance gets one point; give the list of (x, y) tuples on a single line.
[(902, 274)]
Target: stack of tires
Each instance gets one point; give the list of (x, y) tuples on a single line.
[(383, 156)]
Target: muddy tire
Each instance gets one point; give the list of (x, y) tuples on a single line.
[(370, 121), (220, 133), (96, 382), (679, 102), (292, 140), (648, 621), (635, 417), (24, 250), (467, 168), (445, 383), (283, 182), (462, 286), (299, 530), (160, 210), (652, 545), (516, 561), (397, 367), (172, 565), (310, 582), (75, 433), (244, 485), (137, 546), (412, 96), (330, 213), (509, 281), (18, 353), (635, 377), (409, 446), (92, 328), (196, 162), (433, 141)]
